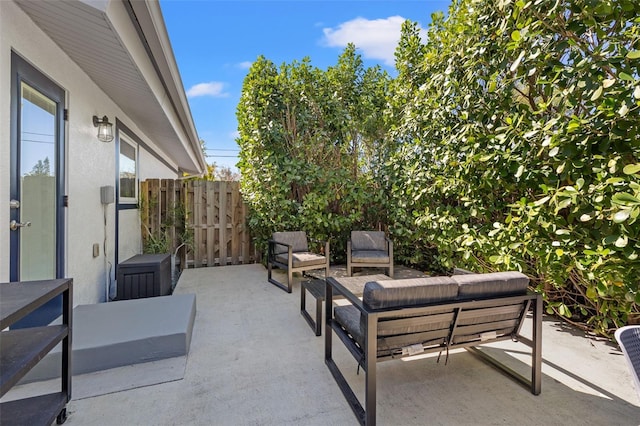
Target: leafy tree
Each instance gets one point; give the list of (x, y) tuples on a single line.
[(516, 147), (215, 172), (41, 168), (307, 138)]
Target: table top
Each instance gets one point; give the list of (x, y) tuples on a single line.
[(356, 284)]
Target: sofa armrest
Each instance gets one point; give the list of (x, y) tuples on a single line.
[(334, 287)]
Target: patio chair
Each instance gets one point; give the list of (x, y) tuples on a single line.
[(628, 337), (290, 251), (369, 249)]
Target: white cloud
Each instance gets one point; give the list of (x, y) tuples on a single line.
[(213, 88), (376, 39), (245, 65)]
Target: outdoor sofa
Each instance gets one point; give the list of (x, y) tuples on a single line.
[(400, 318)]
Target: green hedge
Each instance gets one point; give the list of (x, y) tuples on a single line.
[(507, 140), (524, 148), (308, 140)]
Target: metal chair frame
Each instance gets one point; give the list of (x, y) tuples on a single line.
[(273, 262)]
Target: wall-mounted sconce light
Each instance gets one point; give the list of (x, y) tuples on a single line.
[(105, 129)]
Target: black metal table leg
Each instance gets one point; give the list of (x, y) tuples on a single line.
[(316, 289)]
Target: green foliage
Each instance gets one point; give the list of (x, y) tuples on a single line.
[(215, 172), (516, 147), (171, 230), (309, 144), (509, 140), (41, 168)]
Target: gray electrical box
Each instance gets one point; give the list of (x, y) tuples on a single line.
[(107, 194)]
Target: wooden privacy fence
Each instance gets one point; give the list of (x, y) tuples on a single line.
[(208, 217)]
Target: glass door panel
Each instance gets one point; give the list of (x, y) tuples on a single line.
[(37, 185)]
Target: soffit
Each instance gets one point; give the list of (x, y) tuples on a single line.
[(87, 34)]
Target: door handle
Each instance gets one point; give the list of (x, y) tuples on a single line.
[(14, 225)]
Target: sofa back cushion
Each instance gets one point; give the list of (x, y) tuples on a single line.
[(400, 331), (493, 284), (368, 240), (297, 239), (409, 292)]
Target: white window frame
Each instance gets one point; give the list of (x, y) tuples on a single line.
[(127, 141)]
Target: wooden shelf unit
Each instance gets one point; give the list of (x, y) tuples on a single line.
[(22, 349)]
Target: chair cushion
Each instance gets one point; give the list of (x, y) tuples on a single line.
[(491, 284), (349, 317), (410, 291), (369, 256), (368, 240), (297, 239), (303, 259), (435, 332)]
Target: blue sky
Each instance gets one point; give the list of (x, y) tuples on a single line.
[(215, 41)]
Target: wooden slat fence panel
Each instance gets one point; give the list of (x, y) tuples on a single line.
[(188, 199), (235, 243), (222, 221), (210, 217), (199, 215)]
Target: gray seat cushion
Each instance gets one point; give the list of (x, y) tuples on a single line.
[(395, 338), (491, 284), (407, 292), (349, 317), (369, 256), (301, 259)]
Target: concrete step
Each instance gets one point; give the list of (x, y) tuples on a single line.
[(126, 332)]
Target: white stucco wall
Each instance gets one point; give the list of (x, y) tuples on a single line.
[(90, 163), (152, 168), (129, 241)]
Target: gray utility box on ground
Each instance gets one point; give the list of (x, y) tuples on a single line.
[(144, 275)]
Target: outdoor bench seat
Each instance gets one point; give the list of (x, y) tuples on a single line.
[(399, 318)]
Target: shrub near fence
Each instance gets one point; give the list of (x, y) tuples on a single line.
[(209, 218)]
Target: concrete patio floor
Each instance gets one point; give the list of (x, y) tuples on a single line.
[(255, 361)]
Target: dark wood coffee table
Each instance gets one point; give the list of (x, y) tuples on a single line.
[(316, 287)]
